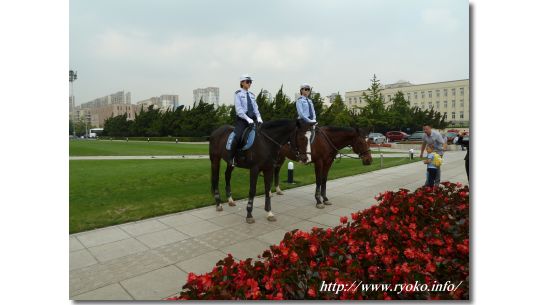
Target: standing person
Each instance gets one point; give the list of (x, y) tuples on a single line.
[(439, 145), (305, 107), (247, 111), (464, 142), (431, 169)]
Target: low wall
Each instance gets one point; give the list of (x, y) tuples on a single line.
[(416, 147)]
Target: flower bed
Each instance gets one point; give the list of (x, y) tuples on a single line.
[(408, 237)]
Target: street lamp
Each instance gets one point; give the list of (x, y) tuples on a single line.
[(72, 78)]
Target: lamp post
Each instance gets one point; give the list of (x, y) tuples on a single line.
[(72, 78)]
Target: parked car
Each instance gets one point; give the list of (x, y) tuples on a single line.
[(416, 136), (450, 137), (396, 136), (376, 138)]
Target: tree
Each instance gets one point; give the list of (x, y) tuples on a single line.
[(374, 114), (337, 114)]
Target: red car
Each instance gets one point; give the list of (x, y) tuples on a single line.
[(396, 136)]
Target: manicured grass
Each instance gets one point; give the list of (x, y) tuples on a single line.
[(109, 192), (134, 148)]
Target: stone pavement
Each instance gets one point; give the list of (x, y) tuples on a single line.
[(150, 259)]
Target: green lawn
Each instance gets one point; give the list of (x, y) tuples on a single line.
[(109, 192), (134, 148)]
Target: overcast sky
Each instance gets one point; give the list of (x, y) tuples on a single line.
[(172, 47)]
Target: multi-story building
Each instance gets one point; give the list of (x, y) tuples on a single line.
[(450, 98), (163, 102), (117, 98), (100, 114), (209, 95), (267, 95)]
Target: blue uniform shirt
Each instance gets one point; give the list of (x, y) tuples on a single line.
[(305, 109), (241, 104)]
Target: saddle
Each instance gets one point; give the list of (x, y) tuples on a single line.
[(246, 140)]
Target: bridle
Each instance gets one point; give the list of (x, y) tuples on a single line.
[(361, 154), (292, 141)]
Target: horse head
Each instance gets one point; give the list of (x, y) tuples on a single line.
[(361, 145), (300, 141)]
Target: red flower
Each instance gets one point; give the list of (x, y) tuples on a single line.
[(343, 219), (311, 292), (294, 257)]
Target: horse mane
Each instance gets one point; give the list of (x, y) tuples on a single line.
[(338, 128), (276, 123)]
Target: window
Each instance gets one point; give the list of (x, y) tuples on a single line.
[(389, 97), (453, 91), (416, 96), (445, 104), (446, 92), (355, 100), (438, 104), (462, 104), (453, 103), (408, 96), (350, 100), (430, 105), (461, 91), (437, 93), (422, 93), (453, 115), (429, 94), (422, 105), (461, 114)]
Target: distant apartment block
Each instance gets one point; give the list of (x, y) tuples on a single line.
[(208, 95), (163, 102), (117, 98)]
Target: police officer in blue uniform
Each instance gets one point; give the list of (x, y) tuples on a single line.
[(246, 110), (305, 107)]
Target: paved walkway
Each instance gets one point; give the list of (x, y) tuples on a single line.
[(150, 259)]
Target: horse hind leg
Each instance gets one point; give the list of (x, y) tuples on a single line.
[(215, 169), (324, 191), (267, 177), (228, 177), (277, 180)]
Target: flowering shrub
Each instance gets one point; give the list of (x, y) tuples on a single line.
[(407, 237)]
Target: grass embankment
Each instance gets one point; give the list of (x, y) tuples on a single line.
[(109, 192)]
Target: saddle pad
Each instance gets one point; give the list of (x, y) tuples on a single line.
[(249, 142)]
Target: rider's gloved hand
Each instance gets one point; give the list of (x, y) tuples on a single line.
[(250, 121), (260, 120)]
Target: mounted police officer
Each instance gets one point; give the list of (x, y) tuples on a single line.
[(246, 110), (305, 107)]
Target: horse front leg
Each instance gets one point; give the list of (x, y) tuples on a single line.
[(253, 181), (276, 174), (215, 171), (228, 177), (267, 176), (317, 194)]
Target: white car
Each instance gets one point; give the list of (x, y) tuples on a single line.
[(377, 138)]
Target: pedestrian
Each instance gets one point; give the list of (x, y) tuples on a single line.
[(433, 165), (246, 110), (439, 145), (463, 140)]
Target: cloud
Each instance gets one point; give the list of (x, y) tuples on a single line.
[(441, 18)]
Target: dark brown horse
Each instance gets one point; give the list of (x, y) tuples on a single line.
[(327, 142), (271, 136)]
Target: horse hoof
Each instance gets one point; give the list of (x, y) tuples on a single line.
[(250, 220), (231, 203), (271, 218), (327, 202), (320, 206), (279, 192), (219, 208)]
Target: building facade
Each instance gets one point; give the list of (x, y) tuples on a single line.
[(97, 116), (209, 95), (163, 102), (117, 98), (450, 98)]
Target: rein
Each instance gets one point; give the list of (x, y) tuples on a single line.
[(361, 154)]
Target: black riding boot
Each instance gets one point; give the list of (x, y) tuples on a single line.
[(233, 152)]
